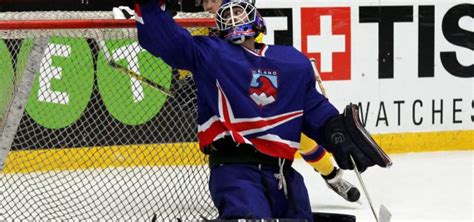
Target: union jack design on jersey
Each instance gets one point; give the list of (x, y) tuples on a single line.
[(240, 128)]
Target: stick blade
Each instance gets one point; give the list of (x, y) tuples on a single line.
[(333, 217), (384, 214)]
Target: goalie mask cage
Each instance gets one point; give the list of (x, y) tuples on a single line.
[(81, 139)]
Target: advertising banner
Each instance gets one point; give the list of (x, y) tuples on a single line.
[(409, 65)]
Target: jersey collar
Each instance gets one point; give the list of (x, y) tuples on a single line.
[(261, 50)]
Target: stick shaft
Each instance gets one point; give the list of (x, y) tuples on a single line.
[(361, 181), (129, 72), (318, 77)]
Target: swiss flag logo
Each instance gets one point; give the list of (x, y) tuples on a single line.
[(326, 36)]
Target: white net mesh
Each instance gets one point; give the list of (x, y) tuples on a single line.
[(95, 143)]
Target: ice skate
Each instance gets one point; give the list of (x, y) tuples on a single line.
[(343, 188)]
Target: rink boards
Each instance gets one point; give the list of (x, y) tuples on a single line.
[(407, 65), (189, 153)]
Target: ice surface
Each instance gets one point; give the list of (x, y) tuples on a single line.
[(435, 186)]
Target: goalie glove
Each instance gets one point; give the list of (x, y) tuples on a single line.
[(345, 136), (171, 6), (123, 12)]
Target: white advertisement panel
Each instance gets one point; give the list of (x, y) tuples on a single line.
[(409, 65)]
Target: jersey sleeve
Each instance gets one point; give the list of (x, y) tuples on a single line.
[(160, 35), (317, 109)]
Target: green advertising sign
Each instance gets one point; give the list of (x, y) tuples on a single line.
[(79, 100), (63, 86), (6, 79), (64, 83), (126, 98)]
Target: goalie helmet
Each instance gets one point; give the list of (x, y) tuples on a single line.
[(239, 19), (249, 1), (199, 2)]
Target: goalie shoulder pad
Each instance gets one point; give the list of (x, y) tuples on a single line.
[(345, 136)]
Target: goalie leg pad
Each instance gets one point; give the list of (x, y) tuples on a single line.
[(345, 136)]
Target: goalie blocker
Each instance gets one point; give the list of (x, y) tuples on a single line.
[(345, 136)]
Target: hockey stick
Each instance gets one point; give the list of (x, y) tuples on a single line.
[(126, 71), (384, 213), (317, 76)]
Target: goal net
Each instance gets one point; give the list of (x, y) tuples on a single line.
[(83, 136)]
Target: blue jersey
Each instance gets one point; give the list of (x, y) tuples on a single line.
[(266, 99)]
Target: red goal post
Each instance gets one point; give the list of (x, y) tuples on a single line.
[(96, 24)]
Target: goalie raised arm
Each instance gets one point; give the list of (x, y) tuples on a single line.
[(159, 34)]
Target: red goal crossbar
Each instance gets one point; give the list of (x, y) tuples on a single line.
[(93, 23)]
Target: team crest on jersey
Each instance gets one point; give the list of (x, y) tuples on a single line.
[(264, 86)]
